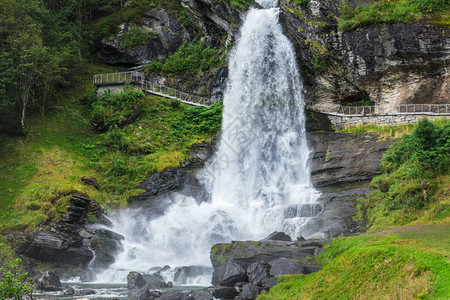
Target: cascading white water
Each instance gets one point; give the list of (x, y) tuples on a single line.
[(259, 180)]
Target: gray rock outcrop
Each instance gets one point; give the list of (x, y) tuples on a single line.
[(386, 64)]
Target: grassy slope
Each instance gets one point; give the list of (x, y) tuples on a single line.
[(42, 168), (410, 262)]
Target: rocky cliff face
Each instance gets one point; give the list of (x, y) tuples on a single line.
[(342, 166), (213, 21), (385, 64)]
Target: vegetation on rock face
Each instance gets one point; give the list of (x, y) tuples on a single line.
[(385, 11), (190, 58)]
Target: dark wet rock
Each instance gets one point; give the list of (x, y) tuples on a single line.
[(88, 276), (84, 292), (106, 244), (185, 274), (204, 294), (47, 281), (318, 251), (248, 252), (154, 281), (257, 272), (228, 274), (270, 283), (160, 187), (144, 293), (176, 296), (68, 291), (342, 166), (249, 292), (278, 236), (284, 266), (340, 158), (135, 280), (89, 180), (224, 292)]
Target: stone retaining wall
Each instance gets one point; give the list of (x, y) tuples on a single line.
[(340, 122)]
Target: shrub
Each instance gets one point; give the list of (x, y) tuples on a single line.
[(113, 107), (189, 58), (14, 284), (199, 120)]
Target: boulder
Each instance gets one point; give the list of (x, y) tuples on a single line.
[(224, 292), (257, 272), (68, 291), (154, 281), (270, 283), (229, 274), (84, 292), (186, 274), (176, 295), (135, 280), (143, 293), (47, 281), (278, 236), (284, 266), (247, 252), (249, 292), (318, 251), (106, 244)]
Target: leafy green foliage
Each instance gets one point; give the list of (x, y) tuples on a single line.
[(199, 120), (114, 107), (414, 184), (190, 58), (428, 148), (14, 284), (385, 11)]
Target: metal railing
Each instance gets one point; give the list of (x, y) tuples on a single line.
[(121, 77), (423, 108), (431, 109), (150, 87), (358, 110), (172, 93)]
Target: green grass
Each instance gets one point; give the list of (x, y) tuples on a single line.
[(409, 265), (403, 11), (41, 169), (384, 131)]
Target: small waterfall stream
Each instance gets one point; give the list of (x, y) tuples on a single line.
[(259, 180)]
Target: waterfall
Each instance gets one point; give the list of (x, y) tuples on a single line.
[(259, 180)]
